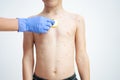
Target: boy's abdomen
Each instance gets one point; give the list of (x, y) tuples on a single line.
[(54, 58)]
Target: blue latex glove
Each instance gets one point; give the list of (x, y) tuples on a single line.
[(37, 24)]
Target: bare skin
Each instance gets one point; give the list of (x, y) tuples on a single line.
[(55, 49), (7, 24)]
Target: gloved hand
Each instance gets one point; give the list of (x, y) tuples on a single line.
[(37, 24)]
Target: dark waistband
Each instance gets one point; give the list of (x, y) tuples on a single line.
[(73, 77)]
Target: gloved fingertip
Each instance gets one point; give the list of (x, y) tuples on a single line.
[(53, 22), (50, 25)]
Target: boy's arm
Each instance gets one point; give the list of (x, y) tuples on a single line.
[(28, 56), (81, 53)]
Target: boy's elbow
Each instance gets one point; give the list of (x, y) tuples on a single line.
[(27, 59), (82, 57)]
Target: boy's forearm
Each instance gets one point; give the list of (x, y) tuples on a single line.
[(83, 67), (8, 24), (27, 69)]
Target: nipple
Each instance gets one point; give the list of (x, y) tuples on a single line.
[(55, 24)]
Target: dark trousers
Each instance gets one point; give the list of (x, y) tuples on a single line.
[(73, 77)]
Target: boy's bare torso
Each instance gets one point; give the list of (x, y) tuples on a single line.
[(55, 49)]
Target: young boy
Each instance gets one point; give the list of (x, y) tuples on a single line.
[(55, 49)]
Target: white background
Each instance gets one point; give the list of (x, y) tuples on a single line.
[(102, 19)]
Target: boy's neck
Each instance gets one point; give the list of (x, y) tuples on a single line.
[(53, 10)]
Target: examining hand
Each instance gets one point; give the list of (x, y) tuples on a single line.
[(37, 24)]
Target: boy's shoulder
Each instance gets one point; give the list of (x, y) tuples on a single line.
[(76, 15)]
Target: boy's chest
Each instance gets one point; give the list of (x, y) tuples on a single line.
[(64, 28)]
